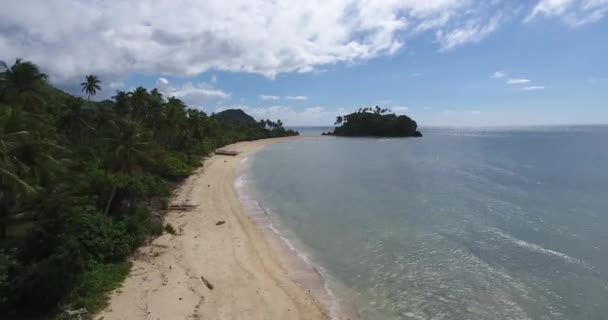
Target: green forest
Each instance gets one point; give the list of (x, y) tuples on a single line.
[(81, 182), (376, 122)]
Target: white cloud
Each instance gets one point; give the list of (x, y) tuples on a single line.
[(116, 85), (271, 97), (296, 97), (193, 94), (518, 81), (531, 88), (213, 79), (512, 81), (573, 12), (268, 97), (499, 75), (187, 37), (472, 31)]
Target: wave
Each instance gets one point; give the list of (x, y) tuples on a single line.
[(537, 248)]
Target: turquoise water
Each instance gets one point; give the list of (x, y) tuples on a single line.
[(460, 224)]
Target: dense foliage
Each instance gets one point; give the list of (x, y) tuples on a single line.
[(79, 180), (375, 122)]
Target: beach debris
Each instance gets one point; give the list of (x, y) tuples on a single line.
[(207, 283), (182, 206), (219, 223), (78, 313), (226, 152)]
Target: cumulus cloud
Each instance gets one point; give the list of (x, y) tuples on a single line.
[(573, 12), (187, 37), (193, 94)]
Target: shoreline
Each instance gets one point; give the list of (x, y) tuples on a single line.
[(248, 276), (298, 265)]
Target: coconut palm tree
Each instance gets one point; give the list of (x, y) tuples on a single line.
[(12, 185), (21, 83), (131, 148), (91, 86), (139, 99)]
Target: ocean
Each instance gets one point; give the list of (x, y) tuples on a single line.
[(507, 223)]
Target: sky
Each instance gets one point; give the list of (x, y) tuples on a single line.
[(442, 62)]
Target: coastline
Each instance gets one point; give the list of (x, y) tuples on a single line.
[(248, 277)]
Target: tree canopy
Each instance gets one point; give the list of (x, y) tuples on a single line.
[(79, 180), (376, 122)]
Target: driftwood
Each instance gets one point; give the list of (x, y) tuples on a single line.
[(226, 152), (78, 313), (182, 206), (219, 223), (207, 283)]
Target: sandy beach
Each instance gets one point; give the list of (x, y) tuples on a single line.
[(248, 280)]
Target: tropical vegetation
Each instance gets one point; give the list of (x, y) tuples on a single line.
[(80, 180), (375, 122)]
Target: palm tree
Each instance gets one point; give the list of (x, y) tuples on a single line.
[(131, 149), (91, 86), (13, 186), (139, 101), (3, 70), (21, 82), (339, 120)]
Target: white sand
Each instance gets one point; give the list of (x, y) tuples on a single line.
[(249, 281)]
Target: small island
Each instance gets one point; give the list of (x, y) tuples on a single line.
[(375, 122)]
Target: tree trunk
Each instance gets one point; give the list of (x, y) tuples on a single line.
[(3, 227), (109, 204)]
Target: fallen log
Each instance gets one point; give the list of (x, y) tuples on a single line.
[(226, 152)]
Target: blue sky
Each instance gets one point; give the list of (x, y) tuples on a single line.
[(443, 62)]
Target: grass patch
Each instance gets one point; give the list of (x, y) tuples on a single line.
[(96, 284)]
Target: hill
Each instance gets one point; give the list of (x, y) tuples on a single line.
[(234, 115)]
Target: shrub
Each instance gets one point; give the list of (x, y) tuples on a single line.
[(169, 229), (96, 282), (102, 239), (174, 168)]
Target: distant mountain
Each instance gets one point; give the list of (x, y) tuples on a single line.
[(376, 123), (234, 115)]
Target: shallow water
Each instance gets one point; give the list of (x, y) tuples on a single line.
[(460, 224)]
